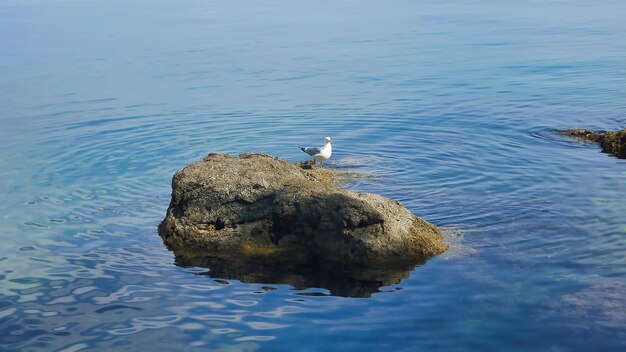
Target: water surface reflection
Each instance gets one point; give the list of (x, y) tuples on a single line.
[(338, 278)]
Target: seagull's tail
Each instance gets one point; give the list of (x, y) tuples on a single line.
[(303, 149)]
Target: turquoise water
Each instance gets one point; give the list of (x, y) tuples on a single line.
[(451, 104)]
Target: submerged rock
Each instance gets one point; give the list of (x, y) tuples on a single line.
[(612, 142), (258, 206)]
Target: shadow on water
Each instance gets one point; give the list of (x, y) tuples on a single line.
[(300, 272)]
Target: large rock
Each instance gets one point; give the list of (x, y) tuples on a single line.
[(260, 206), (612, 142)]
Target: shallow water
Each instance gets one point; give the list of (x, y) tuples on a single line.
[(451, 104)]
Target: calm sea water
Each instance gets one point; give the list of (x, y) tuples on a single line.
[(452, 104)]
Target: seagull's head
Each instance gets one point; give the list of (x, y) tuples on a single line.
[(327, 140)]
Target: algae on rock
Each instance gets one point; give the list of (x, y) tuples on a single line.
[(612, 142)]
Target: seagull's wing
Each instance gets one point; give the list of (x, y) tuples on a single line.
[(311, 150)]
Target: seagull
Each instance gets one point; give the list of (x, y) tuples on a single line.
[(320, 154)]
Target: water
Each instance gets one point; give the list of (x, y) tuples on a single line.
[(451, 104)]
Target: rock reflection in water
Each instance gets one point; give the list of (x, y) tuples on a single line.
[(299, 272)]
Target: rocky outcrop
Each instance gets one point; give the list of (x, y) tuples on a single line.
[(258, 206), (613, 142)]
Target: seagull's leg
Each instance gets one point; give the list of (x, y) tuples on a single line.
[(321, 164), (314, 162)]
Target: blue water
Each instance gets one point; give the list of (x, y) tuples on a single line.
[(451, 104)]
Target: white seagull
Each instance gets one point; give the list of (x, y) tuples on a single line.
[(320, 154)]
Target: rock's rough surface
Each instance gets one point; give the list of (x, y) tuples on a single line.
[(613, 142), (258, 205)]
